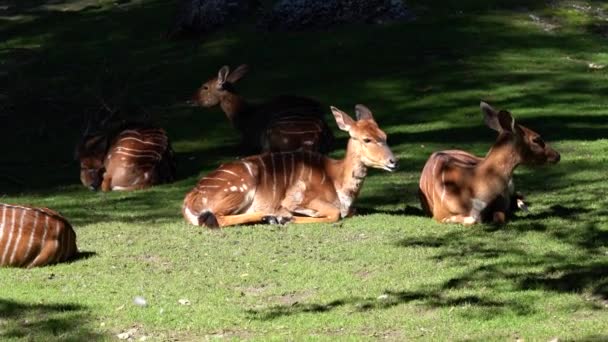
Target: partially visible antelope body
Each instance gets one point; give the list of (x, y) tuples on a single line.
[(131, 157), (31, 237), (299, 186), (458, 187), (285, 123)]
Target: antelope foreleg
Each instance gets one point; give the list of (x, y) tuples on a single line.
[(231, 220), (325, 212)]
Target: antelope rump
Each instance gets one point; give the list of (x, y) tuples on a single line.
[(458, 187), (131, 157), (31, 237), (299, 186), (285, 123)]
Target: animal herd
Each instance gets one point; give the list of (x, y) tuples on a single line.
[(287, 176)]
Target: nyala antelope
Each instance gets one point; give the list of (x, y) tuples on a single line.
[(285, 123), (128, 157), (458, 187), (298, 186), (31, 237)]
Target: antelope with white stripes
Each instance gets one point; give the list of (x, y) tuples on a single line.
[(129, 157), (31, 237), (458, 187), (285, 123), (298, 186)]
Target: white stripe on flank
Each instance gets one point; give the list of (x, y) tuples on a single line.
[(141, 141), (248, 168), (264, 171), (310, 167), (32, 234), (228, 171), (442, 185), (216, 178), (274, 179), (120, 149), (43, 240), (293, 169), (124, 153), (284, 171), (2, 225), (57, 235), (10, 238)]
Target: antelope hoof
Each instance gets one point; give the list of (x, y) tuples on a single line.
[(270, 219), (208, 220)]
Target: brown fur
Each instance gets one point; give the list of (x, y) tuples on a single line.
[(136, 157), (301, 186), (31, 237), (458, 187), (284, 123)]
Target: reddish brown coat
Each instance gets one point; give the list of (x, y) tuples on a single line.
[(301, 186), (135, 158), (458, 187), (31, 237), (284, 123)]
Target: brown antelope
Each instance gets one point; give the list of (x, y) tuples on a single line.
[(298, 186), (285, 123), (129, 157), (32, 237), (458, 187)]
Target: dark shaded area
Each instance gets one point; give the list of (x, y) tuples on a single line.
[(61, 322)]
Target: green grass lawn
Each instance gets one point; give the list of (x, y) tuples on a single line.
[(387, 273)]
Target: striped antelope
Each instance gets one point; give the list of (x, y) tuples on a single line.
[(131, 157), (31, 237), (285, 123), (458, 187), (298, 186)]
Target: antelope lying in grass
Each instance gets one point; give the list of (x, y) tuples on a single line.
[(285, 123), (125, 157), (299, 186), (31, 237), (458, 187)]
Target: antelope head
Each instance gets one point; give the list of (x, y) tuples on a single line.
[(528, 144), (366, 138), (214, 90)]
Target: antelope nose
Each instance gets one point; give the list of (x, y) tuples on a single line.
[(392, 164)]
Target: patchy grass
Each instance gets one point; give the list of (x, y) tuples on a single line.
[(386, 273)]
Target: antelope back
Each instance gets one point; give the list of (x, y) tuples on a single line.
[(32, 237), (139, 156)]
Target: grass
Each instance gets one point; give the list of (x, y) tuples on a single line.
[(386, 273)]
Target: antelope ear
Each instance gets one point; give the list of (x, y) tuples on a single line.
[(238, 73), (344, 121), (507, 123), (222, 75), (490, 116), (363, 113)]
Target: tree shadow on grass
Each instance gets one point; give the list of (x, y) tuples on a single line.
[(428, 298), (45, 322)]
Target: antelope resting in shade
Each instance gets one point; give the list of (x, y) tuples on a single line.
[(299, 186), (285, 123), (128, 157), (458, 187), (31, 237)]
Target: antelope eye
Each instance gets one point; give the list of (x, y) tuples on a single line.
[(367, 140), (539, 141), (205, 87)]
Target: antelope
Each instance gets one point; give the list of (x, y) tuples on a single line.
[(31, 237), (458, 187), (298, 186), (128, 157), (285, 123)]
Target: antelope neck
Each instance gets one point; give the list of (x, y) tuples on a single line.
[(350, 171), (501, 160), (233, 106)]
